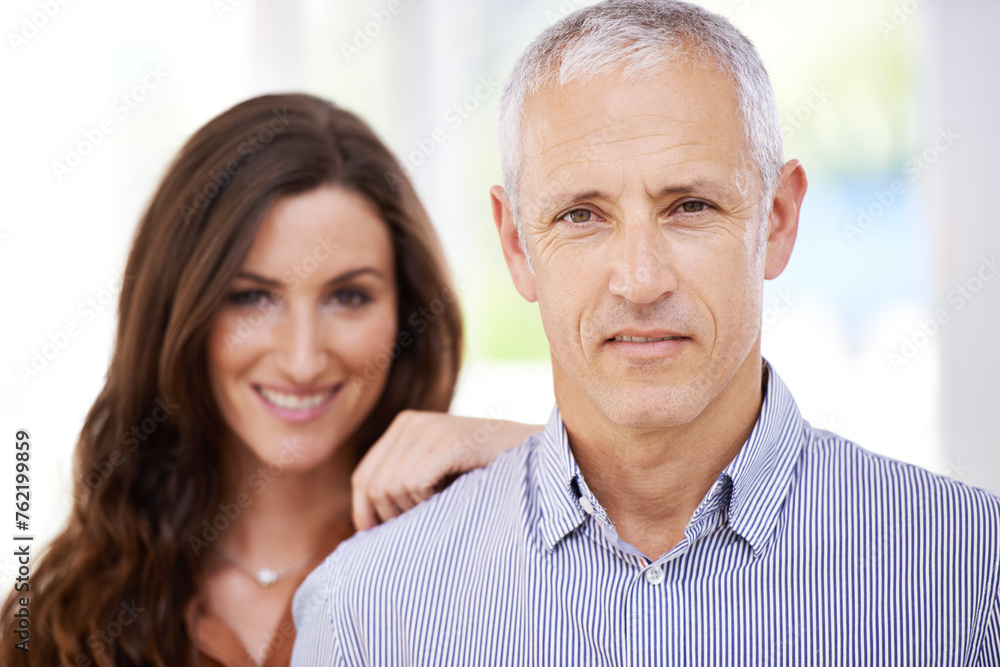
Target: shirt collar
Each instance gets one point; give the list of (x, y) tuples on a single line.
[(557, 485), (757, 479), (762, 472)]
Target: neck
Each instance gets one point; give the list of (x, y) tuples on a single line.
[(284, 514), (650, 481)]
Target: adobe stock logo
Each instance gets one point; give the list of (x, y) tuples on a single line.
[(419, 321), (790, 122), (913, 169), (121, 108), (453, 118), (381, 18), (248, 150), (782, 303), (57, 341), (899, 16), (958, 298), (33, 24)]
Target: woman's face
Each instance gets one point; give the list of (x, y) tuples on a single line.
[(298, 355)]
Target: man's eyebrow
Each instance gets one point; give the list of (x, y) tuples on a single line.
[(708, 187), (560, 200), (343, 277)]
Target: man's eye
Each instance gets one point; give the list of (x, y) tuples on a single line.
[(251, 297), (352, 298), (693, 206), (578, 215)]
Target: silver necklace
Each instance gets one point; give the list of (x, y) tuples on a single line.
[(266, 576)]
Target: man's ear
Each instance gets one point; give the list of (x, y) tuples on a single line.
[(513, 253), (783, 225)]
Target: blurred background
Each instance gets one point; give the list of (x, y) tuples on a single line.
[(885, 324)]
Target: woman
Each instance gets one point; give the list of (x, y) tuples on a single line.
[(285, 300)]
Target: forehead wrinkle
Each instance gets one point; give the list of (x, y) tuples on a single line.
[(610, 161), (618, 137), (543, 131), (546, 129), (615, 127)]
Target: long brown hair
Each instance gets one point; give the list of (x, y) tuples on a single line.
[(148, 467)]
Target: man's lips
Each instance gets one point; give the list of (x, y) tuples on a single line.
[(644, 335), (647, 344), (643, 339)]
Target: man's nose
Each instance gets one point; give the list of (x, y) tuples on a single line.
[(643, 270), (301, 347)]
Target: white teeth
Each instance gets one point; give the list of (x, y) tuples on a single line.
[(641, 339), (291, 402)]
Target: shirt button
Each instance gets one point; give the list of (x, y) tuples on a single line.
[(655, 575), (586, 505)]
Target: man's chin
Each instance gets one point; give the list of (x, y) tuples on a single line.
[(663, 411)]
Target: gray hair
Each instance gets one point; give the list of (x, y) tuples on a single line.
[(642, 35)]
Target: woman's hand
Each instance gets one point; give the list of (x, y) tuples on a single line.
[(421, 453)]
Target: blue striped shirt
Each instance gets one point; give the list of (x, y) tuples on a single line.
[(808, 550)]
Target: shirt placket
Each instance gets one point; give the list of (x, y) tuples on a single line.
[(648, 591)]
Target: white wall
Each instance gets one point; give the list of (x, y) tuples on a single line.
[(966, 212)]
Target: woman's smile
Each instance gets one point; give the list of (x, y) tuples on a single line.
[(298, 404)]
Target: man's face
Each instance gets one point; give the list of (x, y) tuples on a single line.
[(648, 258)]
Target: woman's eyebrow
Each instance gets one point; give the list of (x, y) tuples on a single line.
[(247, 275), (354, 273), (347, 275)]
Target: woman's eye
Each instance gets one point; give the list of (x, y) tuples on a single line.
[(693, 206), (251, 297), (579, 215), (352, 298)]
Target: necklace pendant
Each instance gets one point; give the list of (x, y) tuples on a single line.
[(266, 576)]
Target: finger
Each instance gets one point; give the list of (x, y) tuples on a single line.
[(391, 502), (391, 473), (363, 514), (427, 461), (384, 508), (402, 481), (423, 458), (383, 447), (416, 490), (363, 479)]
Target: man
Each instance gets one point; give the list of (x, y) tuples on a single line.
[(677, 509)]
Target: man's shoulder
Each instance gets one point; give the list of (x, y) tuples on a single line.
[(849, 470), (492, 499), (427, 552)]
